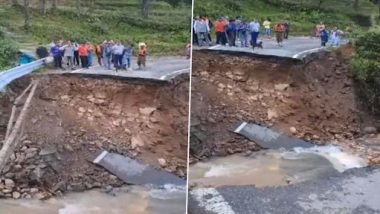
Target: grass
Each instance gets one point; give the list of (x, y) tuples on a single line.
[(166, 31), (302, 14)]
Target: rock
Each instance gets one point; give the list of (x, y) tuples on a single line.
[(68, 147), (42, 196), (116, 122), (370, 130), (281, 87), (136, 141), (293, 130), (81, 109), (221, 86), (147, 110), (127, 131), (16, 195), (9, 183), (33, 190), (10, 175), (65, 97), (162, 162), (271, 114), (7, 191), (100, 95)]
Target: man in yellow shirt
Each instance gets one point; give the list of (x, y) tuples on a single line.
[(267, 28)]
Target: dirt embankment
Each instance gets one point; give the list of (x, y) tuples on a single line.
[(313, 101), (73, 119)]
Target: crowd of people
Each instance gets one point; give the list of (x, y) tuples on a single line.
[(334, 35), (228, 31), (109, 54)]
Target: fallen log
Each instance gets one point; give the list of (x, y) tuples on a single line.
[(11, 142), (14, 108)]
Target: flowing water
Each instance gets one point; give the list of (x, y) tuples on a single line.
[(273, 167), (135, 199)]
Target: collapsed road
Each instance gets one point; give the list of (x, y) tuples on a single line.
[(313, 105), (73, 119)]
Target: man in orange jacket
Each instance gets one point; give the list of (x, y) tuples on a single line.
[(220, 28)]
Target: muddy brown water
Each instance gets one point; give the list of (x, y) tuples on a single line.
[(273, 167), (136, 200)]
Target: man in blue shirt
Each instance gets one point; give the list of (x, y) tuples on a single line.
[(254, 27), (57, 55)]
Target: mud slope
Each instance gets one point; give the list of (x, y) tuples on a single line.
[(72, 119), (316, 99)]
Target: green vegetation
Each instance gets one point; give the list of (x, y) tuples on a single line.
[(8, 50), (302, 14), (166, 30), (366, 68)]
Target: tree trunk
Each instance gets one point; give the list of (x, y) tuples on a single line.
[(356, 4), (54, 5), (145, 8), (28, 17), (78, 6), (43, 7)]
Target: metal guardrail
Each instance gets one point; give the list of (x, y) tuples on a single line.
[(8, 76)]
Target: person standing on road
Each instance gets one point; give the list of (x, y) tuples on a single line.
[(318, 29), (118, 55), (242, 31), (83, 55), (99, 53), (335, 37), (279, 29), (286, 26), (231, 32), (210, 26), (90, 49), (267, 28), (220, 26), (141, 60), (254, 27), (324, 37), (76, 54), (107, 55), (69, 55), (56, 54), (202, 30), (128, 53)]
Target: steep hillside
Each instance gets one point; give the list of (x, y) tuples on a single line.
[(166, 30)]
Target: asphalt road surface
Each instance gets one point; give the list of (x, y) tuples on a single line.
[(294, 47), (356, 191)]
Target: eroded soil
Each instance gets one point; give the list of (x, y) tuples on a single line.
[(72, 119), (313, 101)]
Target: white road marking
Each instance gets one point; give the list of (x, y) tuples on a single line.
[(81, 69), (211, 200), (214, 47), (306, 51), (238, 129), (172, 73), (100, 157)]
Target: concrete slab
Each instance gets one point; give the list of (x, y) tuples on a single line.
[(268, 138), (135, 172)]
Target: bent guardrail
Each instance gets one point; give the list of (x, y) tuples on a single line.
[(8, 76)]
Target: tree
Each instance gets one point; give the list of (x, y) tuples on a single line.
[(43, 6), (145, 8), (54, 5), (78, 6), (356, 4), (27, 14)]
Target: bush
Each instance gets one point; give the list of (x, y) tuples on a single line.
[(366, 68), (8, 51)]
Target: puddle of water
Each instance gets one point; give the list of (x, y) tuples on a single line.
[(136, 199), (273, 167)]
